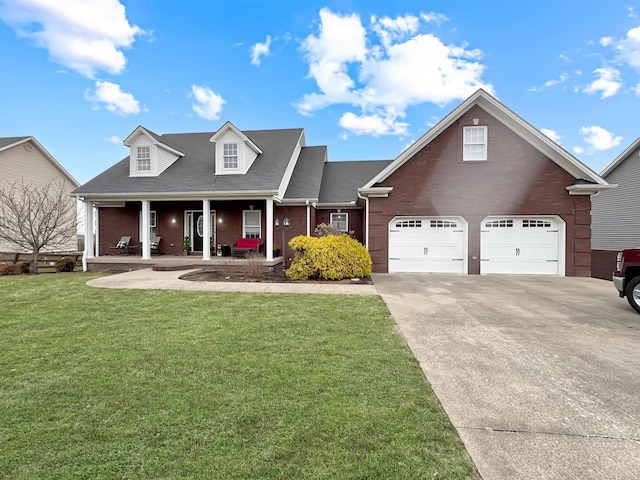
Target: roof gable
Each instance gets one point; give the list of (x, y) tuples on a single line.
[(512, 121), (10, 142), (620, 158), (230, 126)]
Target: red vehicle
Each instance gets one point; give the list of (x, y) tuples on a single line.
[(626, 278)]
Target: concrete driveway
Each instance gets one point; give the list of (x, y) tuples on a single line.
[(539, 375)]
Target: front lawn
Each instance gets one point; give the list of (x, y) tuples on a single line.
[(152, 384)]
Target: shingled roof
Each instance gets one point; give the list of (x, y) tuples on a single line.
[(194, 173), (341, 180)]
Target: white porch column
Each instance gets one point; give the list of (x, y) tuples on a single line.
[(206, 226), (96, 234), (366, 223), (269, 245), (308, 219), (89, 247), (146, 220)]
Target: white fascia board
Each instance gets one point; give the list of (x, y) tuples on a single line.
[(291, 165), (181, 196), (140, 130), (234, 129), (299, 201), (620, 158), (380, 192), (349, 205), (588, 188), (510, 119)]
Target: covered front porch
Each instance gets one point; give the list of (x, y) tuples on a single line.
[(123, 263), (183, 232)]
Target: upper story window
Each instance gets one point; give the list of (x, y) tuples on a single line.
[(340, 221), (143, 159), (475, 143), (230, 155)]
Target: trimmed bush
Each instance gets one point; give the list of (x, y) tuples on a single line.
[(66, 264), (14, 268), (333, 257)]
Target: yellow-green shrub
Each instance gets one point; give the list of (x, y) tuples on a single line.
[(333, 257)]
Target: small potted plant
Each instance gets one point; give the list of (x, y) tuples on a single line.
[(186, 245)]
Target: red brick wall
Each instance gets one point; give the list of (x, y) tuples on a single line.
[(603, 263), (516, 179), (356, 221)]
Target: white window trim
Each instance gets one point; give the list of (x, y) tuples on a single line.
[(244, 223), (139, 158), (225, 157), (346, 220), (153, 221), (485, 143)]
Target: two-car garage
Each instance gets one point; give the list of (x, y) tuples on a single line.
[(508, 245)]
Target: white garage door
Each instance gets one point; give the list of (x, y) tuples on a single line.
[(426, 244), (521, 245)]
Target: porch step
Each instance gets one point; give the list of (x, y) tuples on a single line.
[(172, 268)]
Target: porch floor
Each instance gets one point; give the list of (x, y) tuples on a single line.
[(123, 263)]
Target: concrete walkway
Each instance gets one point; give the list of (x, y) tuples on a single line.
[(149, 279)]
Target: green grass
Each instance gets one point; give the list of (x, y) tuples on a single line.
[(101, 383)]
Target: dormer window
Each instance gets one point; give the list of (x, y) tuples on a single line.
[(230, 155), (143, 159)]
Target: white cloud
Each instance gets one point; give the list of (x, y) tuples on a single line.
[(609, 82), (563, 78), (550, 83), (552, 134), (381, 79), (598, 138), (207, 104), (437, 18), (606, 41), (260, 50), (115, 139), (628, 48), (374, 125), (113, 98), (578, 150), (85, 35)]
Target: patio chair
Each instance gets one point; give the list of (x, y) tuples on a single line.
[(123, 245), (155, 245)]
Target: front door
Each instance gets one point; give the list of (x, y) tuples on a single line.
[(194, 228)]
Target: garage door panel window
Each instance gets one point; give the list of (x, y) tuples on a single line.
[(442, 224), (409, 224)]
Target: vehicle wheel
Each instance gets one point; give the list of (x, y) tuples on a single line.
[(633, 293)]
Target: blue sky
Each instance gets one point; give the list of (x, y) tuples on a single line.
[(365, 78)]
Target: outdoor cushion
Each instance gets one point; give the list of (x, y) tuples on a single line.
[(154, 245), (121, 244), (251, 243)]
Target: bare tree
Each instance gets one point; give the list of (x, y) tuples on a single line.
[(33, 217)]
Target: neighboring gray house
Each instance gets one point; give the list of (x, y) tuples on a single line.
[(615, 223), (23, 159)]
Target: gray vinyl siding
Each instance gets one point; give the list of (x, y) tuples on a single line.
[(615, 222)]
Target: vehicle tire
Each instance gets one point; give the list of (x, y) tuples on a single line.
[(633, 293)]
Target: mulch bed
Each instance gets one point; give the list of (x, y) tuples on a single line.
[(273, 276)]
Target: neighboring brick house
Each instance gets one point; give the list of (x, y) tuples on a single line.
[(481, 192), (24, 160), (615, 213)]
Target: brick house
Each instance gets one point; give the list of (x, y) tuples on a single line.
[(481, 192)]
